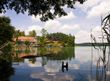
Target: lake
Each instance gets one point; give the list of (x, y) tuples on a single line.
[(45, 64)]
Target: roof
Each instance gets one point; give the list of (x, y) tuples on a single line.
[(24, 38)]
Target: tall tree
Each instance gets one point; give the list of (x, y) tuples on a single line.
[(47, 9), (19, 33), (32, 33), (22, 33), (6, 35), (43, 39), (6, 30), (44, 32)]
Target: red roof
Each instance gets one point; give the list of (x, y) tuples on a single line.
[(23, 38)]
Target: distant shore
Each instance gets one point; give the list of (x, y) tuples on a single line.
[(93, 44)]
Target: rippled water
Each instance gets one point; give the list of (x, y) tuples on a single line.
[(84, 64)]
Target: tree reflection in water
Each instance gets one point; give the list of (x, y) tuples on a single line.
[(61, 53), (54, 53), (6, 69), (65, 54)]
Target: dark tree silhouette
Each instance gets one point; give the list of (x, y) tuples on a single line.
[(47, 9), (6, 70), (6, 30)]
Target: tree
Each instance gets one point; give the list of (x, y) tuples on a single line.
[(22, 33), (47, 9), (42, 39), (6, 70), (6, 30), (67, 40), (32, 33), (27, 43), (6, 35), (19, 33), (71, 40), (44, 32)]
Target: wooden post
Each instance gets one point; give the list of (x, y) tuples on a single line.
[(64, 66)]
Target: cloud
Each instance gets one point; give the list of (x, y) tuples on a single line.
[(100, 9), (91, 3), (82, 36), (70, 28), (52, 23), (70, 15), (87, 5), (1, 14), (52, 67), (37, 28), (95, 8), (53, 26), (57, 26), (35, 18), (97, 32)]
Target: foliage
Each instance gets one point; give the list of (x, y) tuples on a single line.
[(42, 39), (6, 30), (47, 9), (44, 32), (6, 70), (33, 60), (32, 33), (6, 35), (67, 40), (19, 33), (57, 53), (18, 42), (27, 43)]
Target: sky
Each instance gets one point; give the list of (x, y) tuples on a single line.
[(80, 22)]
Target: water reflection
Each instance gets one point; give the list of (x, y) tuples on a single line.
[(47, 65), (55, 53), (53, 77), (102, 64), (6, 69)]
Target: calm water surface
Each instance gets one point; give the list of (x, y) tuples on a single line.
[(84, 64)]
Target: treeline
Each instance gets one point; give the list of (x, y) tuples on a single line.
[(18, 33), (8, 33), (53, 39), (93, 44), (67, 40)]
